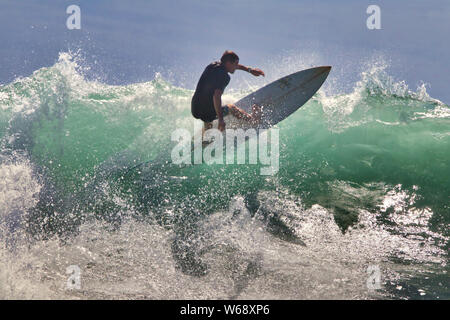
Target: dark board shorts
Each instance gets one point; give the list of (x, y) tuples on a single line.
[(207, 113)]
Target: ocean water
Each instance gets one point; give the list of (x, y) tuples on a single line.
[(86, 181)]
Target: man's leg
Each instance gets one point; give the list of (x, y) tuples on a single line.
[(253, 118), (206, 126)]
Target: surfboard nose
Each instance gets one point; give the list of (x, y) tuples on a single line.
[(325, 68), (323, 71)]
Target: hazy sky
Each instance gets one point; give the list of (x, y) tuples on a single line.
[(128, 41)]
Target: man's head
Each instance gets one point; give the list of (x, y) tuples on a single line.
[(230, 60)]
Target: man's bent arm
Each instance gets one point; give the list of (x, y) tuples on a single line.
[(242, 67), (217, 99), (254, 71)]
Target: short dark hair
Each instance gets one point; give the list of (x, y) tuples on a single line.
[(230, 56)]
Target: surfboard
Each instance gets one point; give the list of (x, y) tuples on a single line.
[(278, 99)]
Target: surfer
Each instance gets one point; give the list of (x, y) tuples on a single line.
[(207, 100)]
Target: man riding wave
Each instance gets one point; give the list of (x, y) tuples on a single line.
[(207, 100)]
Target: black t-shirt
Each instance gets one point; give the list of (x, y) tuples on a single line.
[(213, 77)]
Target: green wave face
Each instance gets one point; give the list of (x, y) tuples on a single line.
[(75, 130)]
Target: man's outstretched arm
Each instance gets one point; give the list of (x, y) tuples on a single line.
[(254, 71)]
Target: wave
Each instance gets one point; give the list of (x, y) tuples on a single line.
[(84, 172)]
